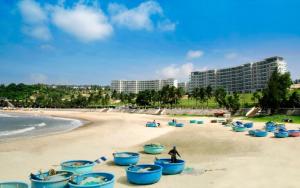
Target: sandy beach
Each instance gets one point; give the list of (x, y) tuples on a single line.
[(216, 156)]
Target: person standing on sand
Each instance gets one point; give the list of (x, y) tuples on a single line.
[(173, 152)]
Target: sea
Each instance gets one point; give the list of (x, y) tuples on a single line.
[(15, 125)]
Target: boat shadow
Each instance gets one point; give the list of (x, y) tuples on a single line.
[(123, 180), (110, 163)]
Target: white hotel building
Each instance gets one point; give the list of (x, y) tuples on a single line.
[(135, 86), (245, 78)]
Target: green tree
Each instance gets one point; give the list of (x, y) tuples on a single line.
[(115, 95), (233, 103), (256, 97), (106, 100), (179, 94), (220, 97), (209, 94), (276, 92), (202, 95), (143, 98), (294, 100)]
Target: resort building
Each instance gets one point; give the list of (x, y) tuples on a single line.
[(249, 77), (135, 86)]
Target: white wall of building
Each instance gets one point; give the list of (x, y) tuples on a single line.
[(135, 86)]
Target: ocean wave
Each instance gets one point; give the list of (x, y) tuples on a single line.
[(43, 124), (76, 123), (6, 115), (18, 131)]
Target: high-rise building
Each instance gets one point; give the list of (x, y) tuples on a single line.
[(135, 86), (246, 78)]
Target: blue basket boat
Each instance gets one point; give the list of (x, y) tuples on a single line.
[(270, 128), (193, 121), (93, 180), (13, 184), (170, 168), (153, 148), (78, 166), (171, 123), (200, 122), (239, 128), (179, 125), (251, 132), (126, 158), (270, 123), (45, 180), (151, 124), (281, 127), (281, 134), (248, 125), (144, 174), (260, 133)]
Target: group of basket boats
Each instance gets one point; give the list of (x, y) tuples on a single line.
[(80, 174), (279, 130)]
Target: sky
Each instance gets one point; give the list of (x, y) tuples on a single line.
[(96, 41)]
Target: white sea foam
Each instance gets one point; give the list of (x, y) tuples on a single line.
[(76, 123), (6, 115), (43, 124), (18, 131)]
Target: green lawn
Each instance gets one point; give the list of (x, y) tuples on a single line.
[(275, 118), (187, 115), (245, 99)]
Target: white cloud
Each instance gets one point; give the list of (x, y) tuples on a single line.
[(194, 54), (38, 78), (176, 71), (166, 25), (135, 18), (231, 55), (39, 32), (83, 22), (139, 18), (35, 19), (32, 12)]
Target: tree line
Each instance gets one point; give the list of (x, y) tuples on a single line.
[(44, 96), (275, 96), (168, 96)]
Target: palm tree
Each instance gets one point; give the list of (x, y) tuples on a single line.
[(209, 93), (202, 95)]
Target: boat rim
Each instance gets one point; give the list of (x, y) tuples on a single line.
[(132, 154), (179, 161), (52, 181), (14, 181), (90, 163)]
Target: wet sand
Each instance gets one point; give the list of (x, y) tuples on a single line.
[(215, 156)]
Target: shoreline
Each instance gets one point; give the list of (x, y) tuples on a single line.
[(83, 123)]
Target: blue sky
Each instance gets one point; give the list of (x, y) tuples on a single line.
[(93, 42)]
